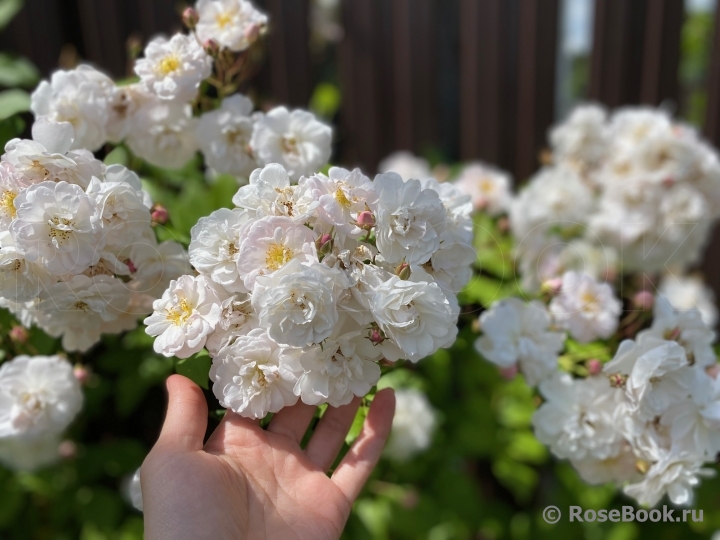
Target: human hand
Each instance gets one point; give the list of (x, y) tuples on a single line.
[(247, 482)]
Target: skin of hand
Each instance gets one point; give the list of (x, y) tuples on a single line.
[(247, 482)]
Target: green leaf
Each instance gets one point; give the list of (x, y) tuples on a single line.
[(13, 102), (196, 368), (10, 128), (357, 425), (17, 72), (8, 10), (118, 156), (325, 100)]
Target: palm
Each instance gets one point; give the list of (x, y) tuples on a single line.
[(248, 482)]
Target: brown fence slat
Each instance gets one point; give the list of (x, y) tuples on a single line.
[(536, 81), (37, 33), (104, 35), (488, 41), (286, 76), (507, 80), (618, 43), (711, 130), (636, 52), (389, 60), (661, 59), (364, 68)]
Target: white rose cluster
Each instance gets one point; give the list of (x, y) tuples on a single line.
[(39, 398), (155, 117), (78, 255), (304, 286), (648, 420), (413, 425), (630, 191)]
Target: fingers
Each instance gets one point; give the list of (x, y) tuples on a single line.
[(232, 430), (186, 419), (292, 422), (330, 434), (355, 468)]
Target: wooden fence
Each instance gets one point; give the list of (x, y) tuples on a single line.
[(472, 78)]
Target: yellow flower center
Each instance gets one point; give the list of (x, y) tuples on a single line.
[(290, 144), (223, 19), (589, 301), (341, 198), (277, 256), (169, 64), (487, 185), (6, 202), (181, 314), (80, 306), (60, 228)]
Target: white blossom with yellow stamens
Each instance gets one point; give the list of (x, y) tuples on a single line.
[(183, 318), (174, 68)]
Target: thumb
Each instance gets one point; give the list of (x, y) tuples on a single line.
[(186, 419)]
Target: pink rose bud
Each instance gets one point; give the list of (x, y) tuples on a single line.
[(82, 374), (403, 271), (713, 371), (18, 334), (190, 18), (594, 366), (131, 267), (324, 244), (509, 373), (252, 32), (67, 449), (553, 285), (159, 214), (644, 300), (376, 337), (212, 48), (672, 334), (366, 219)]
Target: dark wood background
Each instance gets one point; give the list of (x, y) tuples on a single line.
[(472, 78)]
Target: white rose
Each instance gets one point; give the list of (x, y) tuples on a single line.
[(251, 377), (413, 425), (489, 188), (224, 136), (56, 225), (233, 24), (79, 97), (335, 372), (163, 133), (416, 315), (586, 308), (34, 164), (517, 332), (183, 318), (75, 309), (39, 396), (173, 69), (269, 244), (406, 165), (294, 139), (341, 195), (298, 303), (410, 220), (269, 193), (215, 247), (578, 420)]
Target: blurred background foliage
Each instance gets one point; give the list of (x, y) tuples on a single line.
[(485, 475)]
